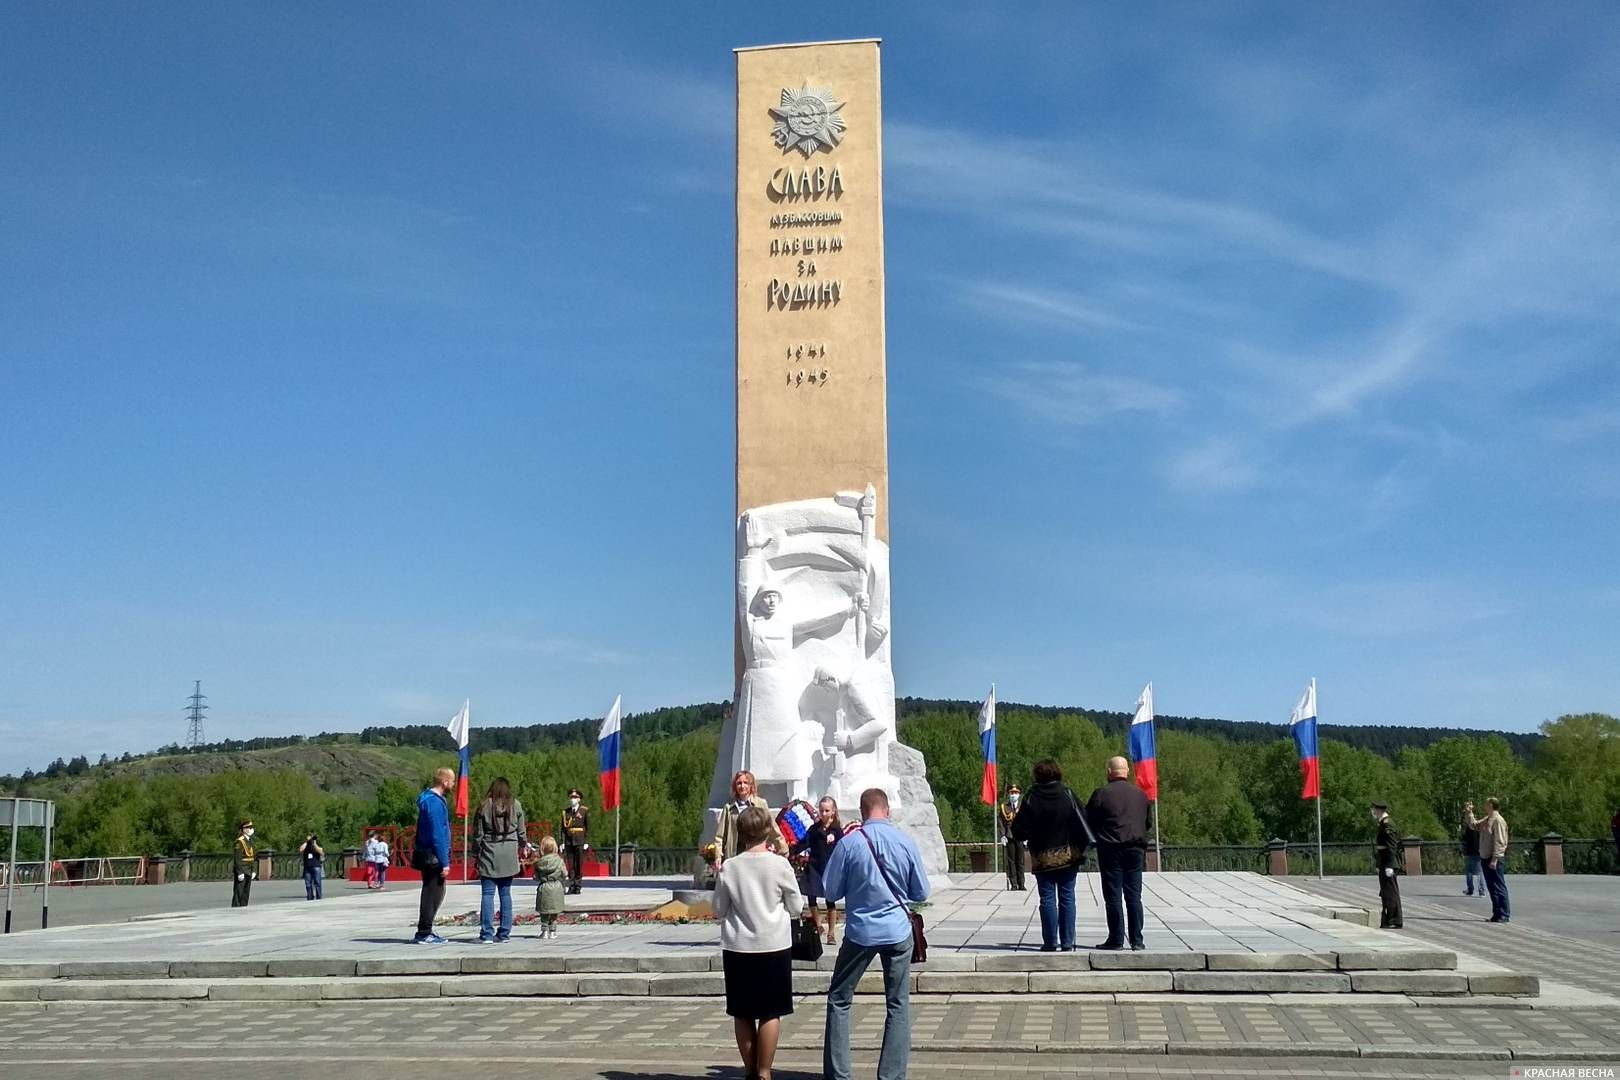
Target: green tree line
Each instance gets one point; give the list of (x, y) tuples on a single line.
[(1215, 788)]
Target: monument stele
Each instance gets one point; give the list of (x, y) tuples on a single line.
[(814, 713)]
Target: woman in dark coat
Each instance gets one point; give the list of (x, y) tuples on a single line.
[(500, 838), (1051, 823)]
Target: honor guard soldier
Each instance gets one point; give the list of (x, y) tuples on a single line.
[(1388, 855), (1014, 850), (576, 829), (243, 867)]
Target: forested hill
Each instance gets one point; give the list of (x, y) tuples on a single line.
[(1220, 783), (1386, 740), (676, 722)]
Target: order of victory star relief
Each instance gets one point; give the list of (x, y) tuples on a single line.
[(807, 121)]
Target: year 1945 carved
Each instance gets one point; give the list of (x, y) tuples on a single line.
[(808, 377)]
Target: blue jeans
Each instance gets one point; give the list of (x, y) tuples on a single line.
[(1496, 885), (312, 883), (1471, 871), (486, 908), (1057, 907), (853, 961)]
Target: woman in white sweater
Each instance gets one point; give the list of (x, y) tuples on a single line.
[(757, 898)]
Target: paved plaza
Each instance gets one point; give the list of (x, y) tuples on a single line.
[(686, 1039), (1563, 929), (1186, 912), (959, 1031)]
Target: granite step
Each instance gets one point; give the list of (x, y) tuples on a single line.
[(707, 959), (1429, 973), (1400, 986)]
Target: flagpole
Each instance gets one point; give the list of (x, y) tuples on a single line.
[(995, 813), (995, 839), (1158, 852), (1320, 873), (466, 843)]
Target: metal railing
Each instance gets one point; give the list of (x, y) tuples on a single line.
[(1591, 857), (1214, 857), (664, 862), (118, 870)]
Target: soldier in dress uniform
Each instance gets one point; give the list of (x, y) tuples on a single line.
[(1014, 850), (1388, 856), (243, 867), (576, 834)]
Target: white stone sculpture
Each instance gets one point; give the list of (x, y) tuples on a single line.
[(815, 707)]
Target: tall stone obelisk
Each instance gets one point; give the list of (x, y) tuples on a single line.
[(815, 693), (812, 396)]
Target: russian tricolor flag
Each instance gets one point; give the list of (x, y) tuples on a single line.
[(459, 725), (1303, 723), (1143, 753), (987, 740), (607, 753)]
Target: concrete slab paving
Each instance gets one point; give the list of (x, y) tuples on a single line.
[(1225, 932)]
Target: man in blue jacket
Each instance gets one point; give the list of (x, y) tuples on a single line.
[(432, 851), (871, 869)]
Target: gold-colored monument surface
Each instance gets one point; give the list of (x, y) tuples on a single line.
[(811, 397)]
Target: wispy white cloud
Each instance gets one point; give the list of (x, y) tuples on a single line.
[(1042, 305), (1357, 608), (1070, 394), (1509, 223), (1588, 423), (1214, 466)]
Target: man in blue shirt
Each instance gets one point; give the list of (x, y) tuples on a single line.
[(871, 870), (432, 851)]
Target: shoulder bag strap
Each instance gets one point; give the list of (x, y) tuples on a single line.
[(1091, 837), (883, 873)]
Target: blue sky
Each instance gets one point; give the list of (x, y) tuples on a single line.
[(358, 363)]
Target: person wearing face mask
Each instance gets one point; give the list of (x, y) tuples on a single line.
[(576, 829), (1014, 850), (1387, 856), (244, 868)]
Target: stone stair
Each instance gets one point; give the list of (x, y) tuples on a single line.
[(1405, 972)]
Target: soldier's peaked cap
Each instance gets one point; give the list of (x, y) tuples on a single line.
[(575, 793), (1380, 806)]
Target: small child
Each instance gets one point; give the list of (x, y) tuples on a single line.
[(553, 878)]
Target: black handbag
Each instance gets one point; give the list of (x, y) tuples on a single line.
[(806, 941)]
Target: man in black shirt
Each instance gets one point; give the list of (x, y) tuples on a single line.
[(1471, 870), (1118, 813)]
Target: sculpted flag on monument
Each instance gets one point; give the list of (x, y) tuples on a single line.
[(459, 726), (607, 753), (987, 740), (1302, 721), (1143, 752)]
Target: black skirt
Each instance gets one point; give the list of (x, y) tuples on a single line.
[(759, 985)]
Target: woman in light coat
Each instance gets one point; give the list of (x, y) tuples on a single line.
[(757, 898)]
